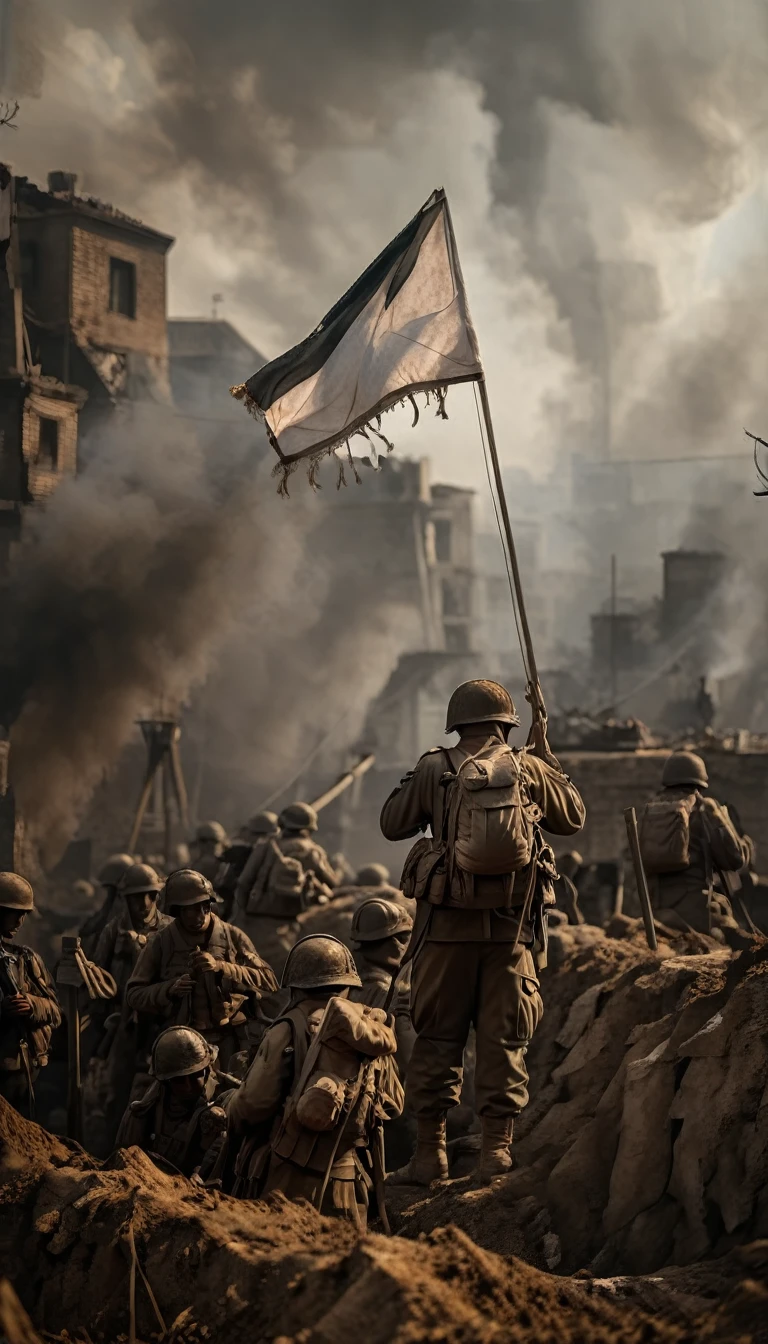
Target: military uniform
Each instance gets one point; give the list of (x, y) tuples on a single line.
[(473, 964), (219, 1003), (279, 1153), (24, 1040), (268, 914), (120, 945), (109, 878), (126, 1044), (183, 1126), (686, 900), (187, 1139)]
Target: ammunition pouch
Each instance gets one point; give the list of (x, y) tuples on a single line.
[(425, 872)]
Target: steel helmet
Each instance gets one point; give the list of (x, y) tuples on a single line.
[(378, 918), (15, 892), (317, 961), (139, 879), (187, 887), (298, 817), (211, 831), (263, 823), (179, 1052), (480, 702), (372, 875), (114, 869), (684, 767)]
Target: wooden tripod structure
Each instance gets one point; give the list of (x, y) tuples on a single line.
[(161, 738)]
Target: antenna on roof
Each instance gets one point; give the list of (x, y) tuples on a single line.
[(216, 299)]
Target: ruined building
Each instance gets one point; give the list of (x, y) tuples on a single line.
[(94, 286)]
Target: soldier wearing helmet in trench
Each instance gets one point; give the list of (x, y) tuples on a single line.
[(199, 971), (207, 848), (29, 1009), (109, 878), (125, 1040), (473, 937), (177, 1119), (287, 873), (306, 1126), (235, 858), (685, 897), (380, 933)]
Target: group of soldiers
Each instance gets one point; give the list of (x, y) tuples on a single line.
[(271, 1019)]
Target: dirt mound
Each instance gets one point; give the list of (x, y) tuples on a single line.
[(209, 1268), (646, 1141)]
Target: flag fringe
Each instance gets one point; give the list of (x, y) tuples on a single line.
[(284, 470)]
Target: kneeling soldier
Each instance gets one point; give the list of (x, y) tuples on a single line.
[(177, 1119), (312, 1103)]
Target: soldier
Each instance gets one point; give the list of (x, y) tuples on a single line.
[(109, 878), (177, 1119), (200, 971), (475, 926), (298, 823), (29, 1009), (207, 848), (324, 1159), (235, 860), (127, 934), (380, 933), (125, 1039), (566, 891), (285, 874), (686, 840)]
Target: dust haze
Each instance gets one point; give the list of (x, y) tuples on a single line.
[(606, 167)]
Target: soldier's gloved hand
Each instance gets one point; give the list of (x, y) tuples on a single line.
[(204, 961), (184, 985), (17, 1005)]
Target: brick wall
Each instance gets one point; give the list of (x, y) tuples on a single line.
[(42, 478), (92, 321), (611, 781)]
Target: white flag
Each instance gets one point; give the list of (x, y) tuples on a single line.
[(402, 328)]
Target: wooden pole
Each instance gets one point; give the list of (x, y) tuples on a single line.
[(141, 808), (534, 689), (630, 820), (343, 782), (167, 778)]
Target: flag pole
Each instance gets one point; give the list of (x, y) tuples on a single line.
[(535, 696)]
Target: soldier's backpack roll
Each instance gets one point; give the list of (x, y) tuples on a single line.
[(665, 834)]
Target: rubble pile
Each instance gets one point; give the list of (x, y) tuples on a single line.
[(646, 1140)]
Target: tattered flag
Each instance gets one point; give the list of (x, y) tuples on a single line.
[(402, 328)]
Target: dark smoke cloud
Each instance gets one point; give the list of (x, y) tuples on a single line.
[(597, 143), (119, 593)]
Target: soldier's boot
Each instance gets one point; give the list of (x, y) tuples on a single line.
[(495, 1157), (430, 1160)]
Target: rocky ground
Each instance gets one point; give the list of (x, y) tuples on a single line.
[(636, 1209)]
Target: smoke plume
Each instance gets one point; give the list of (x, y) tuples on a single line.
[(602, 158)]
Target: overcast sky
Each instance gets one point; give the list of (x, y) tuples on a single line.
[(604, 161)]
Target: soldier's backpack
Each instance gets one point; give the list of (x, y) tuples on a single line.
[(492, 818), (665, 834), (278, 885)]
